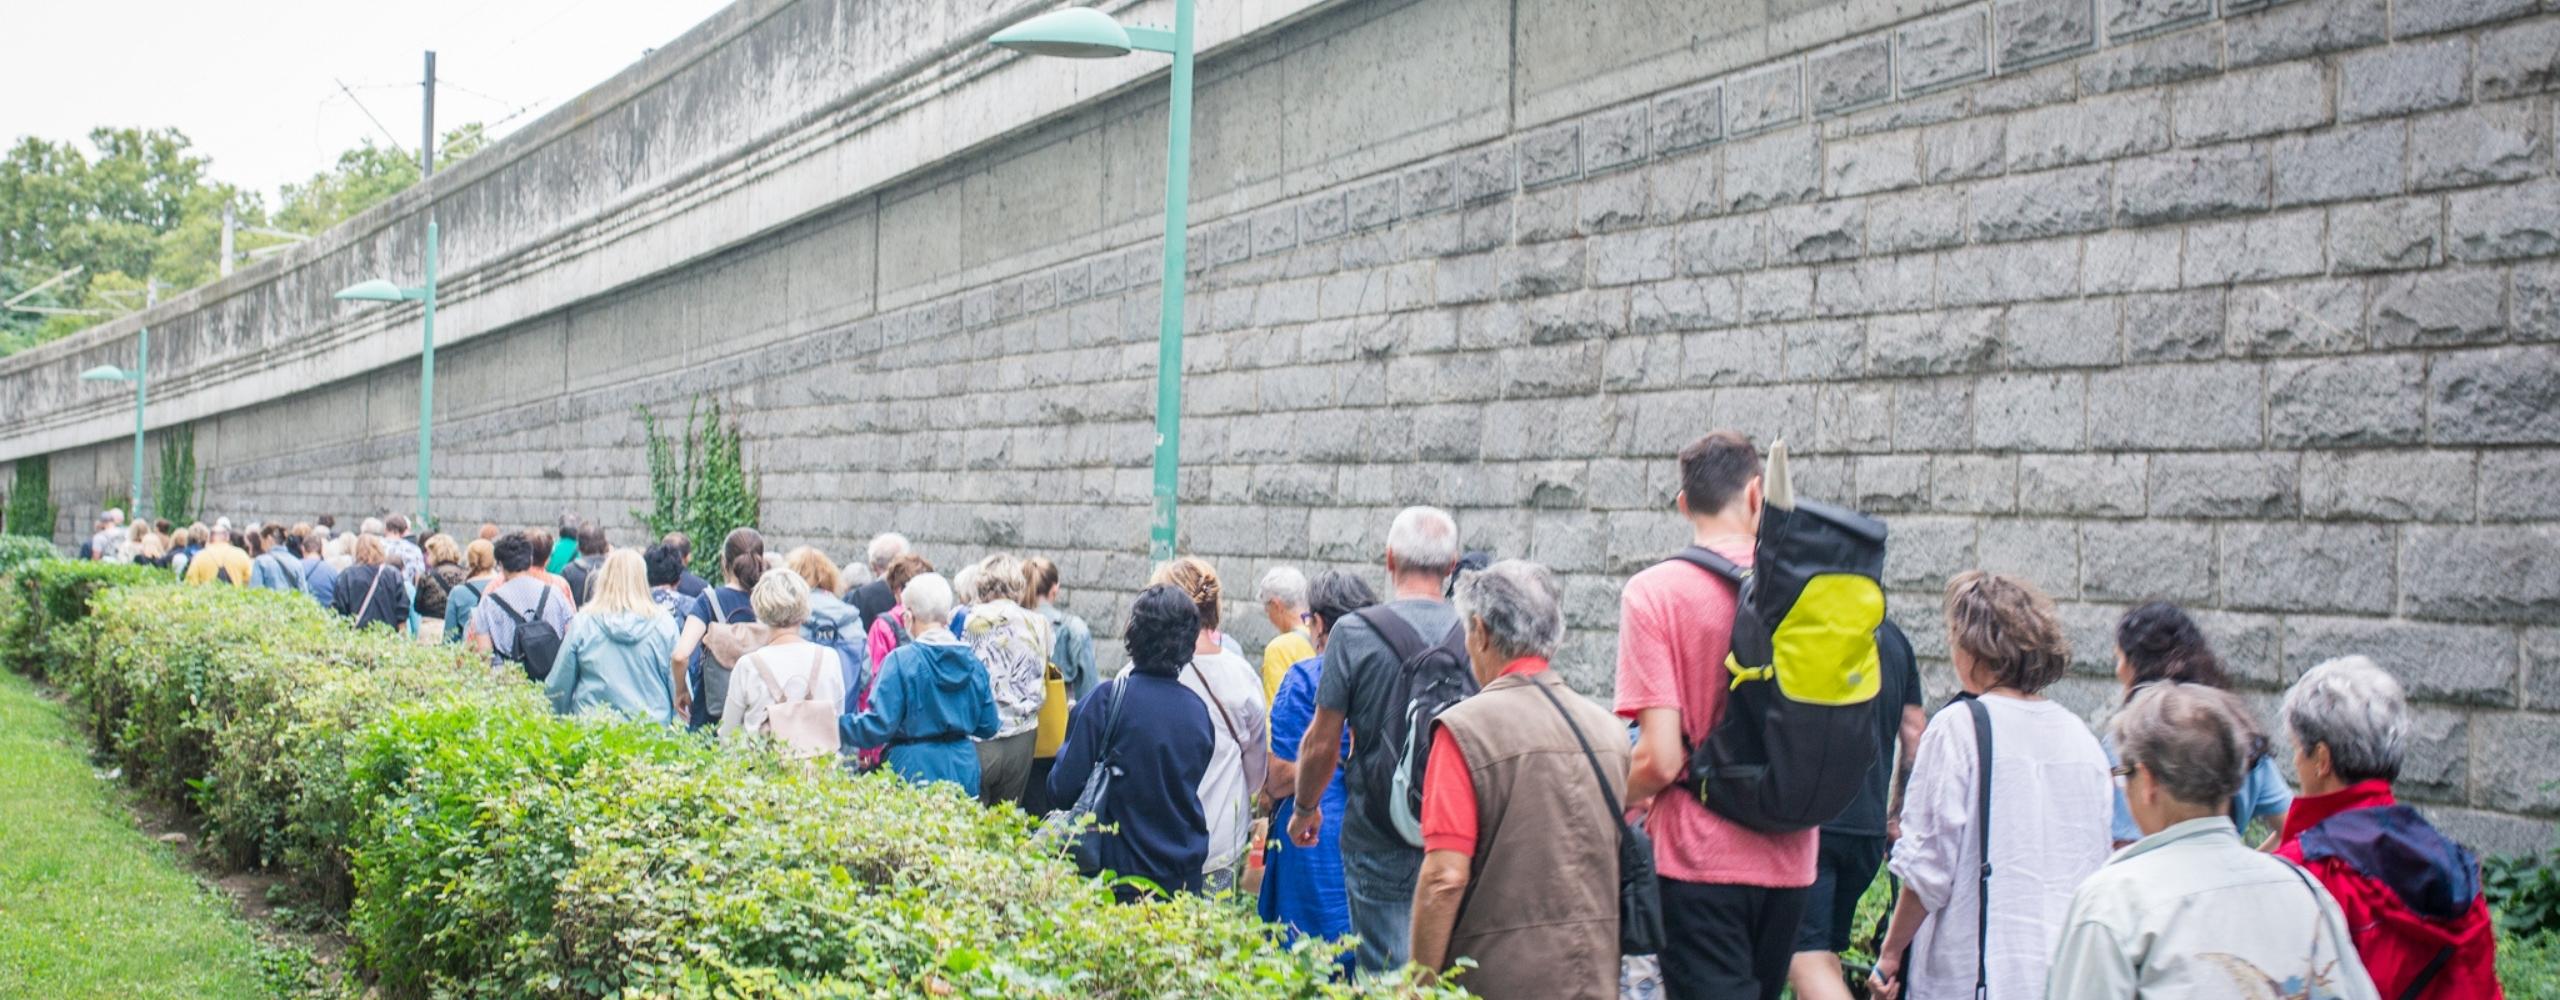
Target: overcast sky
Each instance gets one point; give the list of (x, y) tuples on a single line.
[(255, 82)]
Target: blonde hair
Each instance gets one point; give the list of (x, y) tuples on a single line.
[(814, 567), (1000, 579), (480, 559), (441, 550), (781, 599), (2009, 628), (369, 550), (1197, 578), (622, 587)]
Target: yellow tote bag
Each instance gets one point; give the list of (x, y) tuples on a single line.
[(1053, 716)]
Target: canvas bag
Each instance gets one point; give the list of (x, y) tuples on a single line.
[(806, 725)]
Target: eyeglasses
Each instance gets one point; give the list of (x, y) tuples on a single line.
[(2122, 773)]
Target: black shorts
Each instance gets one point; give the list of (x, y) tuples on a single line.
[(1846, 866)]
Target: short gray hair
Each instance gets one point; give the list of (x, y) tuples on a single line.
[(999, 579), (781, 599), (2358, 709), (1285, 585), (1519, 604), (2196, 741), (886, 547), (928, 602), (1424, 539)]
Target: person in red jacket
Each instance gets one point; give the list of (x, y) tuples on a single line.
[(2411, 895)]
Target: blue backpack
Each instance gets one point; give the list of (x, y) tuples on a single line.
[(842, 634)]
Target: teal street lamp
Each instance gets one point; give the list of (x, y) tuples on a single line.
[(1086, 33), (140, 378), (379, 290)]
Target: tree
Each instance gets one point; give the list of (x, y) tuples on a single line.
[(364, 177)]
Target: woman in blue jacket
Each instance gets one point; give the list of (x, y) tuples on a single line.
[(933, 697), (1156, 734)]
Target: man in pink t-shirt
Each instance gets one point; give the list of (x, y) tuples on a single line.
[(1731, 896)]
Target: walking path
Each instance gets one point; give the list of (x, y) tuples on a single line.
[(89, 906)]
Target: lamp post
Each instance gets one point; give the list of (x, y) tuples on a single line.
[(379, 290), (140, 376), (1086, 33)]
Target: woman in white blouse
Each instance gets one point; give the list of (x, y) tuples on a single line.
[(2051, 799), (805, 670)]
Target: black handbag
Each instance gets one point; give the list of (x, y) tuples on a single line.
[(1639, 895), (1085, 847)]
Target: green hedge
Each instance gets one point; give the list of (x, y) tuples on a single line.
[(483, 848), (18, 552), (51, 599)]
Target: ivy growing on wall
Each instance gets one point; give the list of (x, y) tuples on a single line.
[(699, 484), (174, 497), (31, 498)]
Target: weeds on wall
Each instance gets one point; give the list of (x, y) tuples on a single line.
[(699, 484), (175, 495), (31, 498)]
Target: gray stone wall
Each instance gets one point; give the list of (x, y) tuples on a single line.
[(2250, 307)]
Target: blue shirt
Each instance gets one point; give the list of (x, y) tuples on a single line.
[(1162, 747), (2263, 795), (320, 580), (616, 662)]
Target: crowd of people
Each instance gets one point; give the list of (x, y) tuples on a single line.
[(1406, 773)]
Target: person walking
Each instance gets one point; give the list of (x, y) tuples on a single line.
[(1302, 887), (278, 566), (371, 591), (560, 549), (705, 693), (2411, 895), (1155, 736), (1852, 846), (687, 583), (401, 553), (1731, 896), (1358, 690), (434, 588), (877, 597), (219, 562), (520, 596), (102, 544), (932, 698), (614, 655), (319, 575), (1283, 593), (1013, 643), (832, 622), (2158, 643), (1072, 651), (666, 579), (1520, 814), (1232, 692), (592, 549), (1970, 923), (787, 668), (2189, 911), (894, 628), (479, 573)]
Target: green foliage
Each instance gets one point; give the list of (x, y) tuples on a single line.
[(18, 552), (700, 486), (364, 177), (2529, 965), (31, 498), (55, 596), (2524, 892), (175, 489)]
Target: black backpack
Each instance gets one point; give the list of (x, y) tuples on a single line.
[(1430, 677), (537, 643)]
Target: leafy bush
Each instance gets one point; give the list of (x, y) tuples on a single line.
[(18, 552), (176, 486), (30, 510), (2524, 892), (56, 597), (699, 484), (2529, 966)]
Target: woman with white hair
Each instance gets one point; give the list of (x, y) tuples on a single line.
[(931, 699), (1283, 592), (2188, 910), (2410, 893), (786, 671)]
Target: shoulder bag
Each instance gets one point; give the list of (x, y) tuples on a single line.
[(1982, 819), (1639, 896)]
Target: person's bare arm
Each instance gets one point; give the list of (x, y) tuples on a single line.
[(1280, 781), (1908, 912), (1915, 721), (1437, 891), (1658, 759), (1319, 751)]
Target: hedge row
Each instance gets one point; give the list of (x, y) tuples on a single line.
[(482, 847)]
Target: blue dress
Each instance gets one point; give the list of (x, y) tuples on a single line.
[(1302, 887)]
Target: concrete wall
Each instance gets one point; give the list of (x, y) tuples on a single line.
[(2250, 307)]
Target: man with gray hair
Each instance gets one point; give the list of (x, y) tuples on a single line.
[(2411, 895), (1521, 808), (873, 599), (1364, 686), (1283, 591)]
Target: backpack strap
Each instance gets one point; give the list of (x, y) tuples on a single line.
[(1406, 643), (1982, 816), (1707, 559), (1223, 714), (2427, 976)]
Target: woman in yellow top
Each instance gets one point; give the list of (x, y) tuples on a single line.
[(1284, 600), (220, 562)]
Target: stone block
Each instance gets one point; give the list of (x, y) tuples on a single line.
[(2516, 775), (1851, 418), (1929, 220), (1633, 256), (1274, 230), (1874, 285), (2033, 31), (2069, 333), (1551, 155), (2464, 664), (1973, 484), (1373, 203), (2519, 59), (2304, 28), (2081, 485), (1688, 118), (1925, 550), (2186, 55), (2411, 18), (2518, 220), (1718, 246), (1932, 343), (2438, 308), (2173, 326), (1685, 304), (2537, 302), (1763, 98), (2045, 552), (2146, 560), (2285, 245), (2099, 128), (2542, 669), (2503, 572), (2386, 235), (2387, 485), (2363, 400), (1554, 213), (1850, 76), (2040, 205), (2402, 78), (2481, 144), (1932, 414), (2245, 104), (1965, 149), (2224, 485), (2509, 395), (2028, 412), (1826, 350), (1818, 232), (1729, 357), (2520, 485), (1428, 188), (1868, 164), (2129, 18), (1777, 169), (2176, 187), (1946, 50), (2356, 161), (1683, 188), (2131, 260), (1891, 484), (1609, 203), (2320, 316), (1613, 139), (1486, 174), (2217, 406), (2335, 568), (2009, 272)]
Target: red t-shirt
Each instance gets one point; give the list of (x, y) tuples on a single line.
[(1449, 789), (1675, 625)]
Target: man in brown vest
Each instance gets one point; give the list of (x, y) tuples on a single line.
[(1520, 870)]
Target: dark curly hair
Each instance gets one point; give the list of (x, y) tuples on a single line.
[(1163, 627), (2161, 643), (666, 565)]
